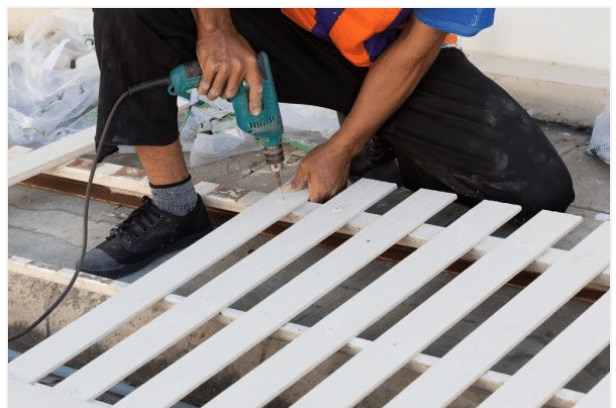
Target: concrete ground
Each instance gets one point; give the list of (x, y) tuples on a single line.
[(47, 227)]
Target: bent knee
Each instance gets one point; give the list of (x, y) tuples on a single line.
[(553, 192)]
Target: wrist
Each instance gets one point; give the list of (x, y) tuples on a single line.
[(343, 146), (348, 143), (211, 20)]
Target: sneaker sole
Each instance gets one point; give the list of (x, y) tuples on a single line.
[(125, 270)]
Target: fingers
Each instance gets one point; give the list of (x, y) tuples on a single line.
[(207, 75), (317, 194), (219, 81), (318, 191), (218, 78), (222, 76)]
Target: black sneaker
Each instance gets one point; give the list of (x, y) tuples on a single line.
[(376, 160), (145, 235)]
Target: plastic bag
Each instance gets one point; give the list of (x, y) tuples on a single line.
[(210, 132), (600, 138), (53, 79)]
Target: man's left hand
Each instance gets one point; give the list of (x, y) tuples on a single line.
[(325, 170)]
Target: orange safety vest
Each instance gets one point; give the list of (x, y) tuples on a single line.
[(361, 34)]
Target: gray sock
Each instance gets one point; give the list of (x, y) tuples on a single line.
[(178, 198)]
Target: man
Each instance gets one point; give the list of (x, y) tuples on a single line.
[(402, 93)]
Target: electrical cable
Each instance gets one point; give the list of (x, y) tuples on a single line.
[(130, 91)]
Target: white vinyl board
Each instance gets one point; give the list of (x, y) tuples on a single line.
[(277, 309), (482, 348), (328, 335), (22, 395), (403, 341), (51, 155), (558, 362), (497, 261), (599, 396), (85, 331), (226, 288)]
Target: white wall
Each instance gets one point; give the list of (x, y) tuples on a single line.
[(19, 19), (576, 36)]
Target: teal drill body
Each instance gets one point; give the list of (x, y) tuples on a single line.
[(266, 128)]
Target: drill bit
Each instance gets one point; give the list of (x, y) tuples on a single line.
[(274, 156), (276, 171)]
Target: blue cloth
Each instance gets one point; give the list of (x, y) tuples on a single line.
[(461, 21)]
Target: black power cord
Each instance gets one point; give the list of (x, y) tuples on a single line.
[(155, 83)]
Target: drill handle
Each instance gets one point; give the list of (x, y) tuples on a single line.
[(267, 126)]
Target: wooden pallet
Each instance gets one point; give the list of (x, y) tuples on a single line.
[(541, 379)]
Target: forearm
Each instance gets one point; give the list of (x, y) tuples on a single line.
[(389, 83)]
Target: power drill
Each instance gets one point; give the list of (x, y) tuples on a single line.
[(266, 128)]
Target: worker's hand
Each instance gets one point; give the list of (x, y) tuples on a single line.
[(325, 170), (226, 58)]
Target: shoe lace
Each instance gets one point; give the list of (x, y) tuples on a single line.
[(138, 222)]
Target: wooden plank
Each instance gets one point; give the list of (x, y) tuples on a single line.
[(277, 309), (176, 323), (396, 347), (51, 155), (21, 395), (16, 151), (119, 179), (85, 331), (481, 349), (421, 363), (327, 336), (599, 396), (413, 240), (558, 362)]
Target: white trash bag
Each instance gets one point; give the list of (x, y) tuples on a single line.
[(53, 79), (600, 138)]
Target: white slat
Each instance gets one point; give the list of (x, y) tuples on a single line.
[(396, 347), (490, 381), (229, 286), (16, 151), (558, 362), (21, 395), (331, 333), (51, 155), (85, 331), (119, 179), (599, 396), (481, 349), (277, 309)]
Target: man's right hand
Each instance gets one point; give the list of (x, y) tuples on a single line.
[(226, 58)]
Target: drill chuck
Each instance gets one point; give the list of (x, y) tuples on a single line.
[(274, 156)]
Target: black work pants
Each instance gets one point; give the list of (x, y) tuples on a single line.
[(458, 132)]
